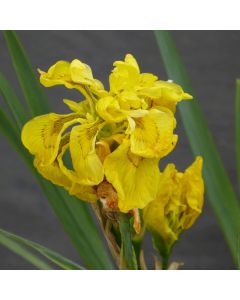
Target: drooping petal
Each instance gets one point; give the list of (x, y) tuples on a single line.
[(87, 166), (134, 178), (52, 172), (42, 135), (153, 135)]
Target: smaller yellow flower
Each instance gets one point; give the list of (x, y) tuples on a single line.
[(178, 203)]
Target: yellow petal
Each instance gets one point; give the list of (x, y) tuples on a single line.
[(80, 73), (153, 135), (88, 168), (146, 80), (109, 110), (134, 178), (193, 187), (102, 150), (57, 74), (178, 202), (130, 60), (72, 75), (81, 108), (83, 192), (129, 100), (53, 172), (42, 135), (171, 93), (125, 75), (154, 213)]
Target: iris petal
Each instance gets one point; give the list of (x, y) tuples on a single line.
[(134, 178)]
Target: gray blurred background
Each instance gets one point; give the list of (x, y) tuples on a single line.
[(212, 60)]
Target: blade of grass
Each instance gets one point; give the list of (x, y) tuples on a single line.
[(237, 128), (32, 90), (127, 247), (220, 191), (12, 102), (53, 256), (72, 213), (23, 252)]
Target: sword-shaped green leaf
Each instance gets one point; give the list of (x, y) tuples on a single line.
[(12, 102), (72, 213), (33, 92), (237, 128), (16, 242), (220, 191)]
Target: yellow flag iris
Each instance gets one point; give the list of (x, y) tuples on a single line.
[(115, 137), (178, 203)]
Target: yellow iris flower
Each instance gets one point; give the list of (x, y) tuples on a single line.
[(115, 136), (178, 203)]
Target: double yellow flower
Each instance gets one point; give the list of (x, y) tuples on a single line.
[(116, 136)]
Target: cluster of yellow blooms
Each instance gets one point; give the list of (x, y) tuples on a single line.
[(115, 140)]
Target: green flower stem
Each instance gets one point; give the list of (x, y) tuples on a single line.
[(128, 252), (165, 261)]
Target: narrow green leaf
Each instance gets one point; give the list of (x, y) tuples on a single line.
[(72, 213), (12, 102), (81, 213), (12, 134), (237, 128), (77, 222), (127, 247), (219, 188), (53, 256), (32, 90), (23, 252)]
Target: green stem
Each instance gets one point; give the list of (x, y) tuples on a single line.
[(165, 261), (128, 253)]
